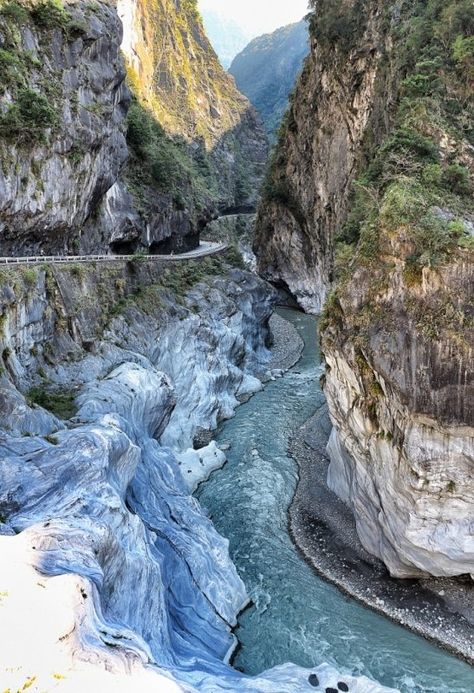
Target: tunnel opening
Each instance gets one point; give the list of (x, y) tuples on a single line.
[(124, 247), (175, 245)]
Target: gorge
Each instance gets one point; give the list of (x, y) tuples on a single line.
[(168, 510)]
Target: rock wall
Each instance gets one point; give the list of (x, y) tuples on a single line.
[(369, 203), (401, 400), (305, 197), (176, 76), (62, 107), (68, 181)]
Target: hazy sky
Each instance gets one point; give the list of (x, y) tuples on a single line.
[(259, 16)]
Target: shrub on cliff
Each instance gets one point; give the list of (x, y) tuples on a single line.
[(14, 11), (336, 24), (165, 163), (28, 117), (416, 180), (49, 14), (155, 150), (61, 403), (456, 179)]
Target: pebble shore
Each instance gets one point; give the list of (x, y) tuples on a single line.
[(287, 344), (323, 529)]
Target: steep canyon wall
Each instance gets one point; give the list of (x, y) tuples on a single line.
[(79, 175), (368, 209)]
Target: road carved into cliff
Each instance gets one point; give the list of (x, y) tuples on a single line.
[(205, 248)]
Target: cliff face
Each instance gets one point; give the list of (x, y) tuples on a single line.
[(306, 193), (176, 76), (400, 388), (396, 250), (62, 109), (194, 142), (266, 71)]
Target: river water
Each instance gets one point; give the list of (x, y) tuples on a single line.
[(297, 617)]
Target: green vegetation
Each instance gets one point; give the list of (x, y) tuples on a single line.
[(47, 14), (15, 11), (30, 276), (412, 206), (174, 283), (412, 183), (61, 403), (336, 24), (50, 14), (27, 119), (179, 279), (233, 257), (165, 163), (456, 179), (29, 111)]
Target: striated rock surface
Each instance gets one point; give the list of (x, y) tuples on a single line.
[(401, 397), (370, 195), (62, 107), (98, 529), (306, 193), (398, 334)]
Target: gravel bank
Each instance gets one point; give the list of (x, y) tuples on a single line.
[(287, 344), (323, 529)]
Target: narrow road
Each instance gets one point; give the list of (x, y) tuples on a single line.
[(205, 248)]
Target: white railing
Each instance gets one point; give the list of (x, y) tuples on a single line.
[(205, 248)]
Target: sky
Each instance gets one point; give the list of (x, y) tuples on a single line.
[(259, 16)]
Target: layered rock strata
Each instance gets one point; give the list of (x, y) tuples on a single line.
[(402, 451)]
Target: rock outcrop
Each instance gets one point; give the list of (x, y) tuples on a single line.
[(369, 199), (401, 397), (68, 182), (306, 194), (62, 132), (97, 528), (218, 139)]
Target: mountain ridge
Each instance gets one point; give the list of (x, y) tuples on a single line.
[(267, 68)]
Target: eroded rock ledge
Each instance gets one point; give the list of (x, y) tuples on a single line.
[(98, 530)]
